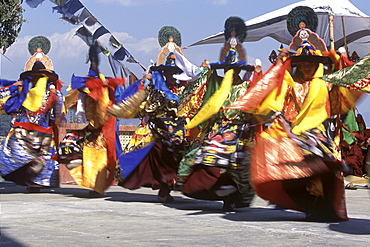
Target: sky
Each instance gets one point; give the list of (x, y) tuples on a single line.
[(135, 23)]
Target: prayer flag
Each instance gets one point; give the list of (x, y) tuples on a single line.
[(60, 3), (114, 42), (34, 3), (121, 53), (100, 32), (131, 59), (69, 8), (84, 15), (85, 35)]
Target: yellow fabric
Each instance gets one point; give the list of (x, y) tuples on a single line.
[(35, 95), (274, 102), (313, 111), (315, 187), (93, 171), (2, 103), (103, 104), (101, 77), (142, 136), (275, 131), (348, 98), (214, 104)]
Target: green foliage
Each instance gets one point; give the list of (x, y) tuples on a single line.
[(11, 20)]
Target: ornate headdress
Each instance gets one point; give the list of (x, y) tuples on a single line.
[(302, 22), (233, 54), (169, 39), (39, 69), (38, 47)]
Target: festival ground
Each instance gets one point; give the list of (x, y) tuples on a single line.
[(67, 217)]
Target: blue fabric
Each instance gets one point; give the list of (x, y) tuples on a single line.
[(49, 175), (160, 84), (131, 90), (5, 83), (121, 53), (146, 82), (100, 32), (11, 90), (34, 3), (68, 10), (129, 161), (17, 153), (92, 73), (118, 142), (14, 103), (231, 58), (117, 93), (13, 156), (308, 45), (78, 81)]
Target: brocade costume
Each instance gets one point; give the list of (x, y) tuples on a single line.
[(222, 158), (151, 159), (296, 164), (91, 95), (27, 156), (153, 153)]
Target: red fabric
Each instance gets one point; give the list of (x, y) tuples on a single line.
[(32, 126), (255, 78), (341, 63), (95, 85), (202, 180), (51, 100), (282, 180), (109, 132), (256, 94), (58, 85), (140, 87), (344, 62), (158, 167), (355, 160)]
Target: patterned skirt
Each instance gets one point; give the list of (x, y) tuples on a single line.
[(25, 158)]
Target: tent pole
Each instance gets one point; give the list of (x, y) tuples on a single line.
[(344, 35), (331, 31)]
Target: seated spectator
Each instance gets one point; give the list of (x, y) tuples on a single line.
[(352, 156)]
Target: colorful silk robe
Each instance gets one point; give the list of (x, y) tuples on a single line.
[(27, 154)]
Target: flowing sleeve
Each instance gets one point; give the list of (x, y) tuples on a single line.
[(214, 104), (267, 93)]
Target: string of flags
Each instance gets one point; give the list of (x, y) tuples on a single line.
[(74, 12)]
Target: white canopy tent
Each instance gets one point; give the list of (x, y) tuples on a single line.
[(348, 21)]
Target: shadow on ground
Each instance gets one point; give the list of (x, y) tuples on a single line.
[(353, 226), (6, 241)]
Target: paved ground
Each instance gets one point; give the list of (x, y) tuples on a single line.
[(66, 217)]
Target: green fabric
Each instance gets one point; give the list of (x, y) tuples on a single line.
[(236, 92), (351, 123), (213, 85), (185, 166), (240, 175), (355, 77), (192, 86)]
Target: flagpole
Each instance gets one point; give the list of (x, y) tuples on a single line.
[(331, 31), (344, 35)]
